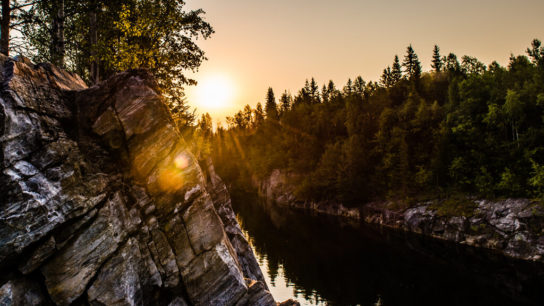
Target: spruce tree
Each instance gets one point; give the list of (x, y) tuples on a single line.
[(325, 94), (285, 102), (314, 91), (437, 62), (359, 85), (270, 107), (348, 89), (396, 72), (331, 89), (386, 78), (411, 64)]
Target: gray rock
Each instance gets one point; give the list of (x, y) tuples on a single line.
[(214, 278), (222, 202), (103, 198), (22, 292)]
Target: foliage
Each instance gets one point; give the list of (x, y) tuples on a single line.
[(463, 129), (158, 35)]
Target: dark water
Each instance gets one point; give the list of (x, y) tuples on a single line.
[(324, 261)]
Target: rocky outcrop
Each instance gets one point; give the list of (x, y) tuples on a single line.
[(514, 227), (222, 201), (278, 188), (102, 203)]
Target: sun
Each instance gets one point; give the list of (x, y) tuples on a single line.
[(214, 92)]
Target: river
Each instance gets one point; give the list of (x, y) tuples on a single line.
[(326, 261)]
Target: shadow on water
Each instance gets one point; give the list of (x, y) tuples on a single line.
[(352, 263)]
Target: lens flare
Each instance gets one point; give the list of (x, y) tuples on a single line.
[(181, 162)]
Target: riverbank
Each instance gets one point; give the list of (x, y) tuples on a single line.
[(513, 227), (326, 260)]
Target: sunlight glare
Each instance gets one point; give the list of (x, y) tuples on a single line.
[(214, 92)]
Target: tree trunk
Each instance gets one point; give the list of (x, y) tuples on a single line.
[(57, 31), (4, 25), (93, 32)]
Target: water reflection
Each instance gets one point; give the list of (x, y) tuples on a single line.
[(322, 261)]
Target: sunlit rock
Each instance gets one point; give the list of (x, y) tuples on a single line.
[(103, 201)]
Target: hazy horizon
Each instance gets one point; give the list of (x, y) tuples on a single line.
[(282, 43)]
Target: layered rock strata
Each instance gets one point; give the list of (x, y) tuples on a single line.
[(102, 203)]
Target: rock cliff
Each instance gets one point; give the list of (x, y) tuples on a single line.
[(103, 204), (513, 227)]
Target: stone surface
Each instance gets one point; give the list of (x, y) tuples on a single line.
[(222, 202), (514, 227), (22, 292), (102, 202), (256, 295)]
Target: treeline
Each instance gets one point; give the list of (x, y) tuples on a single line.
[(461, 128), (96, 39)]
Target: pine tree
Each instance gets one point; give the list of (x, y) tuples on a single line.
[(536, 52), (270, 107), (314, 91), (348, 89), (15, 14), (411, 64), (285, 102), (437, 63), (396, 72), (386, 78), (359, 85), (331, 89), (325, 96)]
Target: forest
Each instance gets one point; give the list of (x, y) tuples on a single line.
[(462, 128)]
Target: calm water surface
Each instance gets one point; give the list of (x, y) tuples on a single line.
[(323, 261)]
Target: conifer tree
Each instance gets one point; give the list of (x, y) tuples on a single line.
[(314, 91), (396, 72), (325, 94), (359, 85), (348, 89), (270, 107), (386, 78), (411, 64), (536, 52), (437, 62), (15, 13), (331, 89), (285, 102), (258, 115)]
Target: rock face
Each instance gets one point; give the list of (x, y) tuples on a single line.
[(103, 204), (514, 227)]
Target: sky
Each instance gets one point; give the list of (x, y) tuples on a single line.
[(281, 43)]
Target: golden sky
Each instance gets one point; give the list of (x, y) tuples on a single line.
[(280, 43)]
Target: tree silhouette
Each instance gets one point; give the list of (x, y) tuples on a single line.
[(396, 71), (437, 63), (411, 64), (271, 107)]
